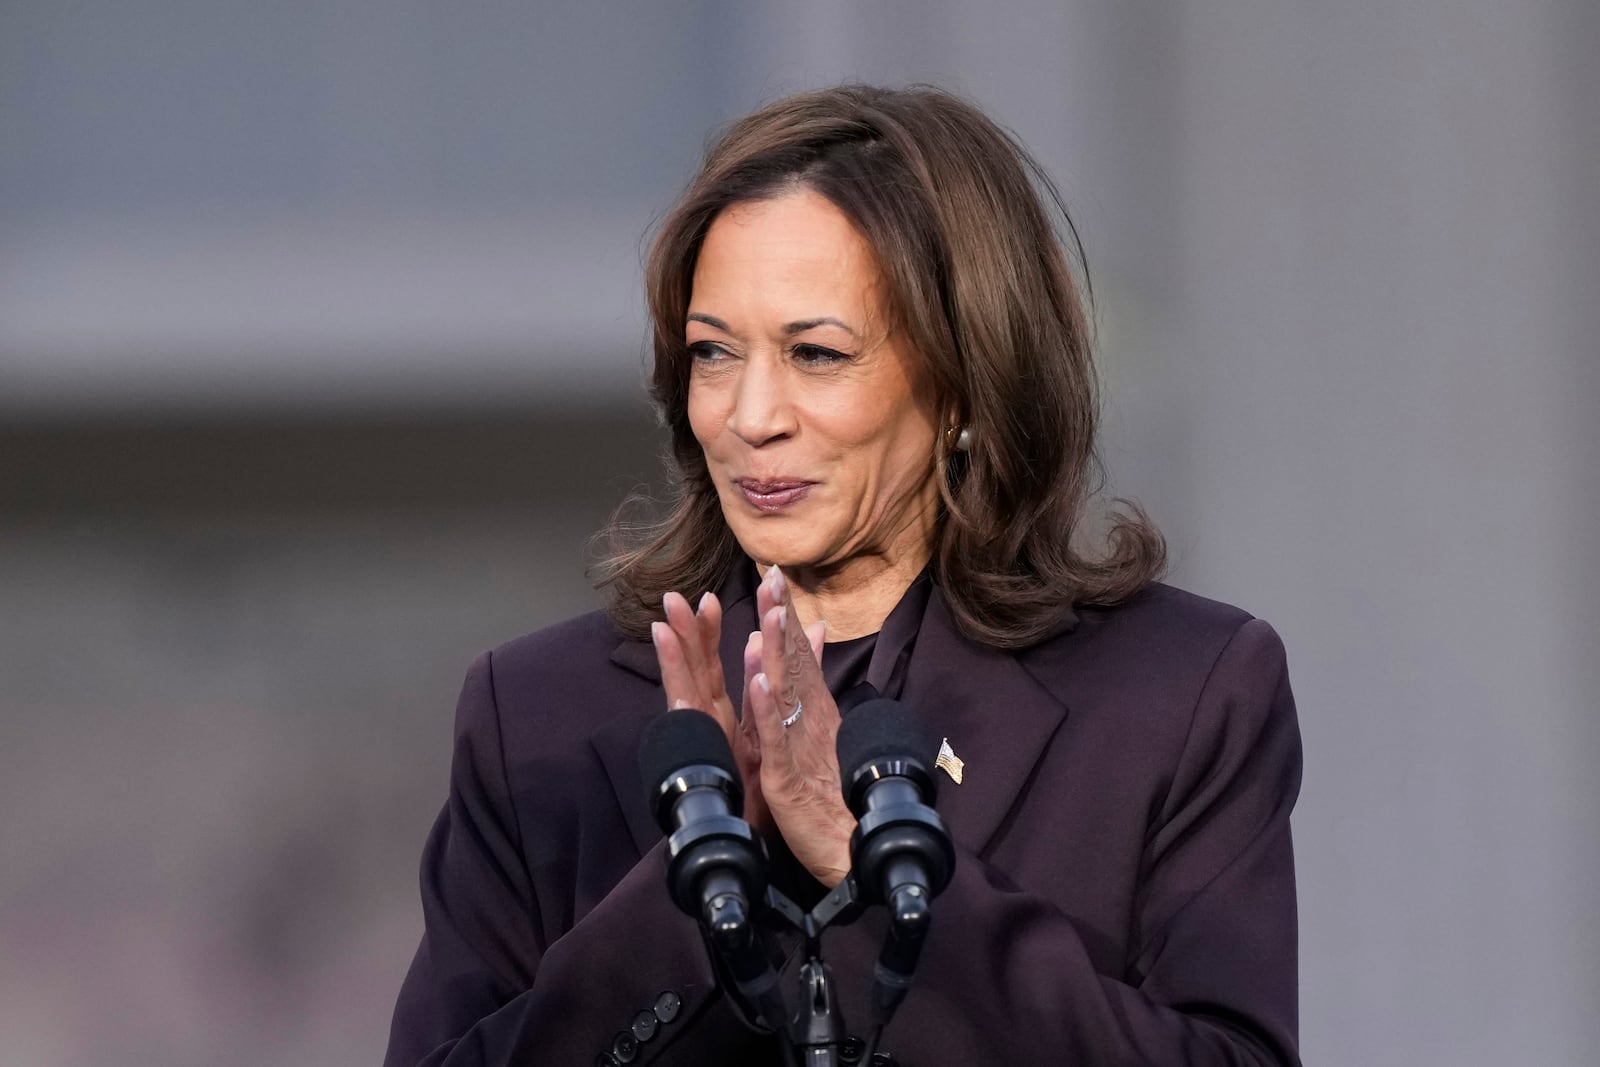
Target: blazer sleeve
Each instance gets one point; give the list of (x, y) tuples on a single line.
[(485, 989), (1211, 977)]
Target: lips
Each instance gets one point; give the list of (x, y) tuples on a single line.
[(775, 494)]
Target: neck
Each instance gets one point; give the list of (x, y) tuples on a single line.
[(854, 602)]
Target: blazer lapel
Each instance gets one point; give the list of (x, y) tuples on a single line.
[(617, 744), (996, 716)]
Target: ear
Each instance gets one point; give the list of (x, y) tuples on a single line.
[(957, 437)]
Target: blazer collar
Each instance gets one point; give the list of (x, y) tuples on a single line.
[(998, 709)]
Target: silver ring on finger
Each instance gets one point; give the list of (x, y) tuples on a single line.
[(795, 717)]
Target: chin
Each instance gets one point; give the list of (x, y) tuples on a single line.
[(767, 550)]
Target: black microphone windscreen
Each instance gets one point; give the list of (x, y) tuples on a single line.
[(879, 728), (681, 739)]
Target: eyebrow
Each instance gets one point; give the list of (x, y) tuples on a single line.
[(810, 324), (789, 329)]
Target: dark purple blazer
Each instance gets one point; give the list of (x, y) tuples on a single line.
[(1124, 885)]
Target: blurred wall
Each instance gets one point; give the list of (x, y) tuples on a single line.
[(320, 343)]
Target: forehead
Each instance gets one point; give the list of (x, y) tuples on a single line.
[(795, 254)]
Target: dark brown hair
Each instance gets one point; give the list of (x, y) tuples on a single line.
[(977, 276)]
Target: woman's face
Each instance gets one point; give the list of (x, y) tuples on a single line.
[(816, 419)]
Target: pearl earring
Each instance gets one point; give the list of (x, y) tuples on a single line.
[(964, 440)]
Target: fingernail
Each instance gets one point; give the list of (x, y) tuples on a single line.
[(766, 686), (664, 597), (783, 622), (704, 598), (779, 583), (655, 632), (679, 704)]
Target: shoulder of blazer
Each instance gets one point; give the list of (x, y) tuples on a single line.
[(591, 630), (1162, 638), (569, 719), (561, 680)]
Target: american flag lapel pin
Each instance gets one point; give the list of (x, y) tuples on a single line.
[(949, 762)]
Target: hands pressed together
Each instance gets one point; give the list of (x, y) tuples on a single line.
[(791, 774)]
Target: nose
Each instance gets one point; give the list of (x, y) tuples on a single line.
[(761, 410)]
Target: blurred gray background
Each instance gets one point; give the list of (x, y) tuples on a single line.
[(320, 356)]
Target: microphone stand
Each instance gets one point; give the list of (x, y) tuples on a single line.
[(732, 935), (817, 1029), (813, 1034)]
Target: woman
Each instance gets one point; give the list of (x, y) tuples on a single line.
[(872, 358)]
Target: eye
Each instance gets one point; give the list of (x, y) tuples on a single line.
[(816, 355), (708, 352)]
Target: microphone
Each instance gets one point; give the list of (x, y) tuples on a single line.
[(901, 851), (716, 866)]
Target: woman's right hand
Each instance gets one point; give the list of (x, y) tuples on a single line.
[(691, 674)]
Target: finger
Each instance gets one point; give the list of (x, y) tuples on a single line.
[(771, 592), (708, 613), (794, 634), (816, 637), (749, 743), (777, 663), (677, 681), (699, 634), (708, 619), (752, 667), (768, 719), (680, 617), (691, 677), (800, 643)]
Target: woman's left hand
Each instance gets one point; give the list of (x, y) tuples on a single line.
[(799, 765)]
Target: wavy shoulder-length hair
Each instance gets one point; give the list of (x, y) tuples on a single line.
[(977, 276)]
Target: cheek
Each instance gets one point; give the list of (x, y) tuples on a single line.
[(703, 420), (907, 454), (861, 418), (901, 427)]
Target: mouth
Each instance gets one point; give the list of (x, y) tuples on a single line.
[(772, 495)]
